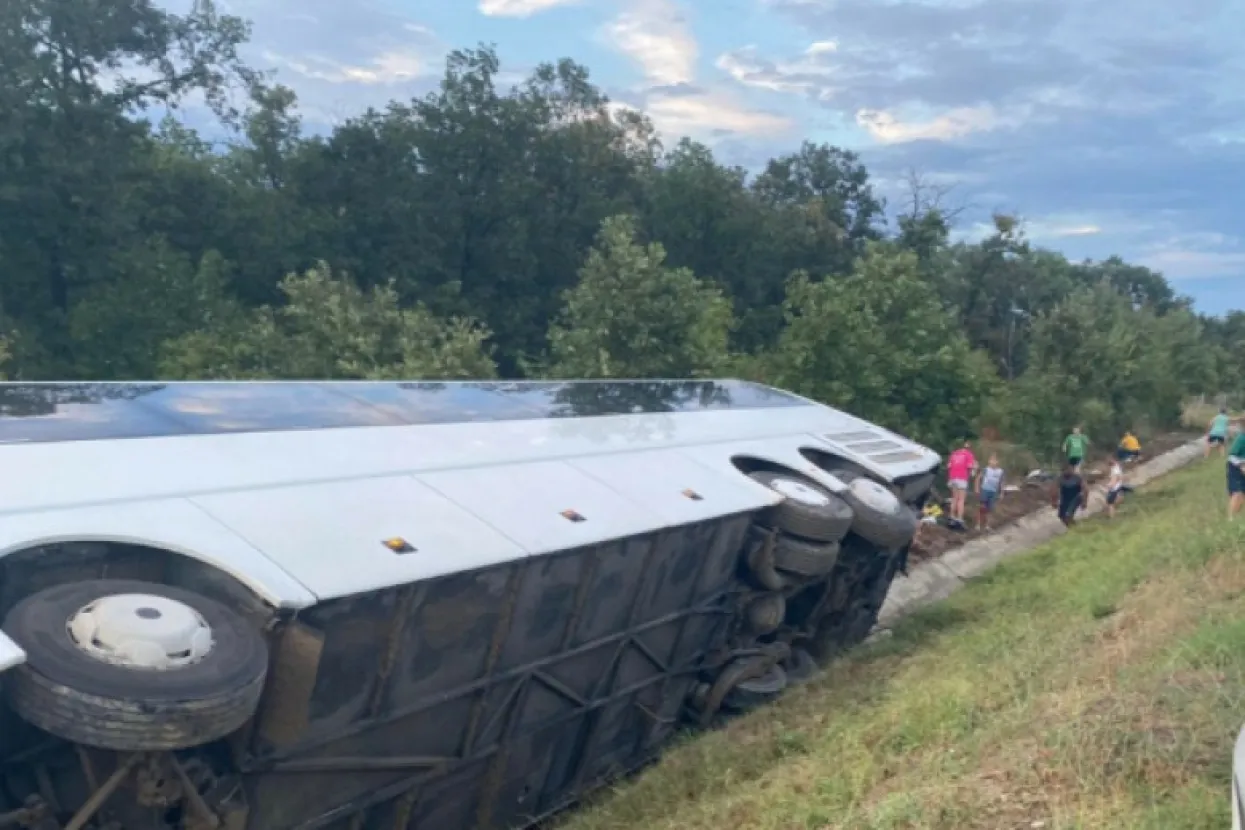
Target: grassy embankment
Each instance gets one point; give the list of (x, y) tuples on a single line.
[(1097, 682)]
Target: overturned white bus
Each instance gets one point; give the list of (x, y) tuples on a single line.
[(443, 606)]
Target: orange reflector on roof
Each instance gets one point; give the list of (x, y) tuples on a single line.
[(398, 545)]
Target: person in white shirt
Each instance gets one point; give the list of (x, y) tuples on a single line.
[(1115, 488)]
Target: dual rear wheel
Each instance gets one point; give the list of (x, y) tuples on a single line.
[(831, 558)]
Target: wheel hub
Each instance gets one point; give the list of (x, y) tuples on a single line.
[(141, 631), (874, 495), (801, 492)]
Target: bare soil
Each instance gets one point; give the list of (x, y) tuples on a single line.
[(934, 540)]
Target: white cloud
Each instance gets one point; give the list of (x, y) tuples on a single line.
[(655, 35), (1043, 230), (1038, 230), (810, 74), (704, 115), (1188, 264), (389, 67), (886, 128), (1197, 255), (520, 8)]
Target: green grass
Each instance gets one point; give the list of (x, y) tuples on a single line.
[(1096, 682)]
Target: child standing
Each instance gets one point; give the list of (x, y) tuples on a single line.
[(1115, 488), (989, 491)]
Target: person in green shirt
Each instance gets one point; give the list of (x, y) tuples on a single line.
[(1075, 447), (1217, 433), (1236, 476)]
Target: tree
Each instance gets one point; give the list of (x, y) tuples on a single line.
[(118, 327), (707, 220), (823, 208), (330, 328), (1099, 361), (879, 343), (72, 76), (514, 187), (630, 316)]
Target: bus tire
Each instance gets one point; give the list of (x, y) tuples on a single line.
[(809, 559), (807, 510), (133, 666), (754, 692), (880, 516)]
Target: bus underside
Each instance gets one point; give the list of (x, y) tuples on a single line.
[(485, 700)]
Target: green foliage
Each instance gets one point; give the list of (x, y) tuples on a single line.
[(118, 327), (879, 343), (630, 316), (467, 221), (330, 328), (1099, 361)]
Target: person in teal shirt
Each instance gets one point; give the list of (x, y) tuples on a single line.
[(1217, 433), (1075, 447), (1236, 476)]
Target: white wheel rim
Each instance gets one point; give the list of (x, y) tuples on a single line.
[(799, 491), (874, 496), (141, 631)]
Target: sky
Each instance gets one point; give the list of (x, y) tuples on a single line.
[(1111, 127)]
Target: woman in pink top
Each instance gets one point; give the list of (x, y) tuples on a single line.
[(960, 468)]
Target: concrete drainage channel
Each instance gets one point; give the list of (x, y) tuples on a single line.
[(936, 579)]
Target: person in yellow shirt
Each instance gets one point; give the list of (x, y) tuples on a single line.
[(1129, 448)]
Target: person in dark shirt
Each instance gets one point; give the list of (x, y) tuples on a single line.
[(1236, 475), (1069, 494)]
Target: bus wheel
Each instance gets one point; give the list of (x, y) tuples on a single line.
[(134, 666), (754, 692), (807, 509), (880, 517)]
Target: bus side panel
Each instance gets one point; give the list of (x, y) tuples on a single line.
[(491, 698)]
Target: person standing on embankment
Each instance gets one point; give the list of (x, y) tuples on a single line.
[(1116, 488), (1217, 433), (989, 491), (1069, 495), (1236, 475), (960, 468), (1075, 448)]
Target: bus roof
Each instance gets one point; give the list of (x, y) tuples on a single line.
[(292, 488), (53, 412)]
